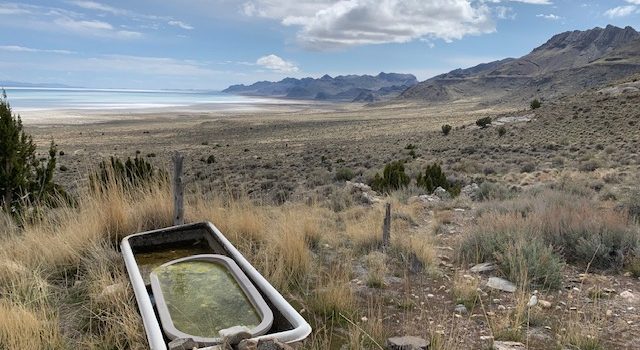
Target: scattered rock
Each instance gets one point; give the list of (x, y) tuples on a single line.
[(609, 313), (358, 186), (484, 267), (501, 284), (533, 301), (247, 344), (544, 304), (393, 280), (234, 335), (471, 191), (442, 194), (407, 343), (461, 309), (628, 296), (508, 345), (273, 344), (487, 341), (183, 344), (112, 291), (425, 198)]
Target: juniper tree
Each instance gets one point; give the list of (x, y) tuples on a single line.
[(23, 177)]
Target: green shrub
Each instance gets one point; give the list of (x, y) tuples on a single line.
[(131, 173), (492, 191), (521, 256), (344, 174), (410, 146), (434, 177), (584, 232), (211, 159), (632, 204), (535, 104), (483, 122), (446, 129), (24, 178), (393, 178), (502, 131)]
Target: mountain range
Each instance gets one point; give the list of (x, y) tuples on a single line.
[(569, 62), (366, 88)]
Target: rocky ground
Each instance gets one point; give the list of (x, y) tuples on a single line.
[(586, 145)]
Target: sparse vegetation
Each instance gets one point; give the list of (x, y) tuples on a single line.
[(344, 174), (483, 122), (24, 178), (434, 177), (446, 129), (535, 104), (130, 173), (393, 178)]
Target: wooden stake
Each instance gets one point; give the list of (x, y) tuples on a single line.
[(178, 189), (386, 227)]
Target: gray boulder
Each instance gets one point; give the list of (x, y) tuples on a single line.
[(501, 284), (407, 343), (442, 194)]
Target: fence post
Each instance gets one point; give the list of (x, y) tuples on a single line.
[(386, 226), (178, 189)]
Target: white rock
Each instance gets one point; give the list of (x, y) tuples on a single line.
[(442, 194), (628, 296), (501, 284), (508, 345), (236, 334), (483, 267), (544, 304), (407, 343)]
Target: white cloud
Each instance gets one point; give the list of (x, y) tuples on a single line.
[(145, 65), (16, 48), (504, 12), (535, 2), (532, 2), (92, 5), (635, 2), (180, 24), (621, 11), (337, 23), (277, 64), (550, 16), (12, 9), (97, 28)]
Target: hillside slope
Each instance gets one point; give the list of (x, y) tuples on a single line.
[(569, 62)]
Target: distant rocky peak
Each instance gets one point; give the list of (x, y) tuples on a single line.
[(598, 38)]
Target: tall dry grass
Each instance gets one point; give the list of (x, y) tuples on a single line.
[(63, 282)]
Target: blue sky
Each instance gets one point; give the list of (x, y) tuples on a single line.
[(210, 44)]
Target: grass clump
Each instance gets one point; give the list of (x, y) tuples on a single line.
[(465, 291), (344, 174), (377, 269), (521, 256), (130, 173)]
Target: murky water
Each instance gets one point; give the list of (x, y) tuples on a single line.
[(149, 261), (203, 298)]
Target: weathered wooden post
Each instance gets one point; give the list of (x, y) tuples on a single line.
[(178, 189), (386, 227)]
